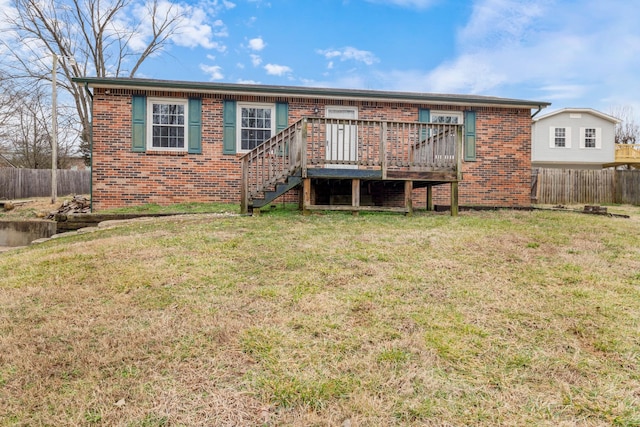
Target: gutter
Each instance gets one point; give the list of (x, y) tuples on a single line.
[(540, 107)]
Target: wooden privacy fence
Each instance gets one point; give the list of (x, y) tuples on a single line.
[(576, 186), (628, 186), (23, 183)]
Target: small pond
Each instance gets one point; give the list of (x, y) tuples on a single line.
[(21, 233)]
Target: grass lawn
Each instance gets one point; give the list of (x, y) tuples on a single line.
[(504, 318)]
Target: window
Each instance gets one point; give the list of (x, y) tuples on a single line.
[(257, 124), (446, 117), (167, 124), (590, 138), (560, 140), (176, 124)]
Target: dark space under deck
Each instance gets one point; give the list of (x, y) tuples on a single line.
[(365, 190)]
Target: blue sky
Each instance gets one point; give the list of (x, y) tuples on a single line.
[(572, 53)]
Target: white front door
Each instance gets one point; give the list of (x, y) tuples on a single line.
[(342, 138)]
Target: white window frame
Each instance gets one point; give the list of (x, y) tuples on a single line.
[(457, 114), (552, 137), (239, 108), (598, 138), (149, 123)]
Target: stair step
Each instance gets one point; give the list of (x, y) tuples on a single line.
[(279, 189)]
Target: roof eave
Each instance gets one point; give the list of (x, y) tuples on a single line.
[(591, 111)]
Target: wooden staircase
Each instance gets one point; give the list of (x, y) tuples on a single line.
[(273, 168), (280, 188)]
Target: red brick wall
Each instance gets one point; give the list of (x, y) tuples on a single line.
[(501, 174), (121, 177)]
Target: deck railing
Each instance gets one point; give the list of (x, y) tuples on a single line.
[(358, 143), (384, 146), (628, 153)]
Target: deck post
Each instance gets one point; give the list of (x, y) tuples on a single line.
[(459, 153), (306, 196), (300, 199), (429, 197), (244, 187), (454, 198), (355, 195), (303, 149), (408, 197), (383, 150)]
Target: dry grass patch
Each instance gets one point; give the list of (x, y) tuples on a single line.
[(491, 318)]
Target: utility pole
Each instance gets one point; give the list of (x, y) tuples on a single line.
[(54, 132)]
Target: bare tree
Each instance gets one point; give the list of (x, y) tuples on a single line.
[(627, 131), (91, 37), (26, 137)]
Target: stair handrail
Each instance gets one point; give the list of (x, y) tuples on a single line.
[(272, 161)]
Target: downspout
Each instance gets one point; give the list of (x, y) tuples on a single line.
[(536, 113), (86, 88)]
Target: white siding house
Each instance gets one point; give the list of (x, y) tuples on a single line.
[(573, 138)]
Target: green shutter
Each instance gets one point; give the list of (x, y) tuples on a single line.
[(424, 116), (139, 115), (229, 127), (195, 126), (469, 136), (282, 116), (282, 122)]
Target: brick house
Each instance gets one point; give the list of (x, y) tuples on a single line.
[(166, 142)]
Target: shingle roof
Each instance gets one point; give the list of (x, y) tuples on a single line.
[(307, 92)]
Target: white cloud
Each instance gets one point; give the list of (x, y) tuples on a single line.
[(564, 92), (350, 53), (220, 29), (255, 60), (192, 29), (247, 82), (277, 70), (214, 71), (257, 44), (547, 50)]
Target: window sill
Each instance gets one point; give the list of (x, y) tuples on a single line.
[(165, 153)]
